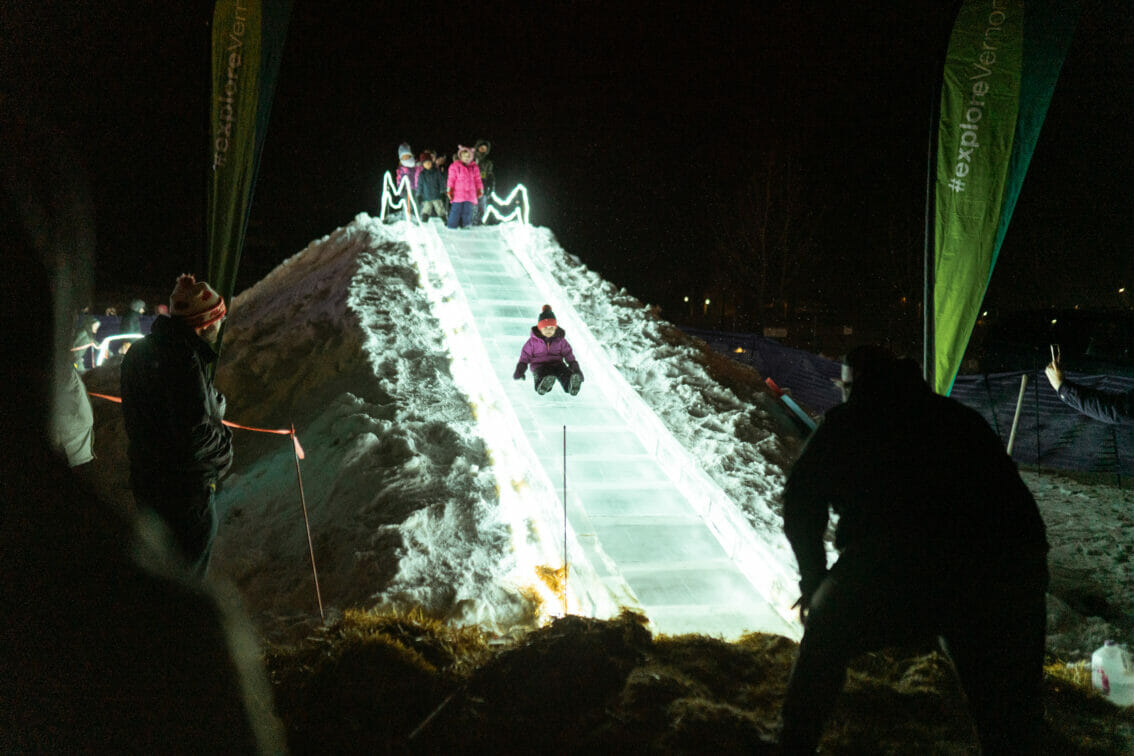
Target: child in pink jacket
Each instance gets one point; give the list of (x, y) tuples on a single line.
[(464, 188), (550, 356)]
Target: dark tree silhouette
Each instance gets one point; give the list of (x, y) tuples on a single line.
[(764, 234)]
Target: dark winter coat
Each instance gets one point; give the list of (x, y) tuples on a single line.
[(71, 426), (487, 169), (85, 331), (1104, 406), (430, 185), (85, 336), (540, 351), (914, 477), (172, 411), (131, 323)]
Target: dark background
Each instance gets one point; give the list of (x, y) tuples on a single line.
[(637, 129)]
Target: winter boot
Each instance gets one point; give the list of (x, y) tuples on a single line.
[(576, 382), (545, 384)]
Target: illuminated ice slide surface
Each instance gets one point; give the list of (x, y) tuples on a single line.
[(642, 528)]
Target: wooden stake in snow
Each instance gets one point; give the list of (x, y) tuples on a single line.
[(1016, 418), (565, 568), (307, 523)]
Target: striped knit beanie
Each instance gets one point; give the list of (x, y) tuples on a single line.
[(196, 302)]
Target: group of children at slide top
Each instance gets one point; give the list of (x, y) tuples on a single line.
[(458, 191), (547, 351)]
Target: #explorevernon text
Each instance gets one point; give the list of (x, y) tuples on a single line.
[(226, 108), (974, 111)]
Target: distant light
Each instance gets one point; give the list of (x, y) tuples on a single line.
[(738, 350), (103, 352), (1054, 321), (687, 299), (706, 301), (1122, 290), (984, 314)]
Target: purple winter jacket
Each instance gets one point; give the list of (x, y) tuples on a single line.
[(539, 351), (464, 182), (413, 173)]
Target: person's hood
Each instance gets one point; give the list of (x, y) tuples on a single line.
[(405, 149), (487, 144), (892, 381)]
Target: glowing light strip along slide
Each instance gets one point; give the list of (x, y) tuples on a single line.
[(394, 198), (529, 501), (763, 563)]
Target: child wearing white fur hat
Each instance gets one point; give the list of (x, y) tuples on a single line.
[(409, 170)]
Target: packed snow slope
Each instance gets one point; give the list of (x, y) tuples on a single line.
[(421, 481), (643, 526)]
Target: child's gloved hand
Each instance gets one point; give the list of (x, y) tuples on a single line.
[(575, 370), (521, 372)]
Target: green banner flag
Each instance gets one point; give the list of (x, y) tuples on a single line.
[(1000, 70), (247, 43)]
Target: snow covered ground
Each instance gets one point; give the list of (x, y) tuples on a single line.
[(405, 508)]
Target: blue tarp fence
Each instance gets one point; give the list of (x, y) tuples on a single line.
[(1049, 434)]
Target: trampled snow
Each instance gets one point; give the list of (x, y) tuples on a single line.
[(432, 481)]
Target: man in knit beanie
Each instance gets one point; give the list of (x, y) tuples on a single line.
[(179, 448)]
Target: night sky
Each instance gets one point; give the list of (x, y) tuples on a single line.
[(636, 128)]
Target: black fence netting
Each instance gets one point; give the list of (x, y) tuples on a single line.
[(1048, 433)]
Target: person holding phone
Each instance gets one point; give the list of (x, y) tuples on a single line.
[(1114, 407)]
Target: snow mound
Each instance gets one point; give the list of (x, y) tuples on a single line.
[(403, 510), (397, 488), (340, 340)]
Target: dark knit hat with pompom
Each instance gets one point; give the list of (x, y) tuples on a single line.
[(546, 317)]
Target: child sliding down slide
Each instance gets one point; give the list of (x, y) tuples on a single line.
[(550, 357)]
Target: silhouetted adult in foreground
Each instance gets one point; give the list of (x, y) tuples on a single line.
[(105, 646), (937, 537)]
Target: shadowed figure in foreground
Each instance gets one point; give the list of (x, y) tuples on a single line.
[(107, 644), (937, 537)]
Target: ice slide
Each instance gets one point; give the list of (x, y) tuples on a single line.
[(643, 527)]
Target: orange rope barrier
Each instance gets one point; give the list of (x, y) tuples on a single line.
[(299, 477), (278, 432), (258, 430)]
